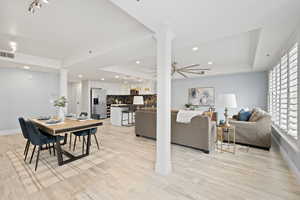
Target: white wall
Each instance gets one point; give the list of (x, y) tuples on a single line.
[(25, 93), (74, 98), (250, 89), (85, 96), (111, 88)]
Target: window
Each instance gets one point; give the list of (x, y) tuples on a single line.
[(283, 93), (293, 92)]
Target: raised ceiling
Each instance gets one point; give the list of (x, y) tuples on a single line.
[(102, 38)]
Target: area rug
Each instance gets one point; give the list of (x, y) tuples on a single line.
[(48, 171)]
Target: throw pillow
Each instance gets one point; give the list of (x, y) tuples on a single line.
[(244, 115), (208, 114), (256, 115)]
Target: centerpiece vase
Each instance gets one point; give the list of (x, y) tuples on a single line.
[(61, 113)]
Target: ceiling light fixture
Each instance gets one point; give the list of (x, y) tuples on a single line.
[(36, 4), (117, 76), (80, 76), (195, 48), (210, 63), (102, 79), (138, 62), (26, 67)]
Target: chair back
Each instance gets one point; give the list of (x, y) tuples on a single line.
[(131, 108), (23, 127), (93, 130), (83, 114), (34, 135)]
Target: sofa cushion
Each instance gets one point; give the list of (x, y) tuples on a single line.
[(244, 115), (256, 115)]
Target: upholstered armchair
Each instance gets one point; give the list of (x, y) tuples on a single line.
[(254, 133)]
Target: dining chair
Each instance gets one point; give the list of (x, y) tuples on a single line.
[(38, 139), (25, 135), (83, 114), (82, 134)]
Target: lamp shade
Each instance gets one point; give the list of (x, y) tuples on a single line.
[(228, 100), (138, 100)]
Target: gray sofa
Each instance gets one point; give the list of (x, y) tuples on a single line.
[(199, 134), (256, 132)]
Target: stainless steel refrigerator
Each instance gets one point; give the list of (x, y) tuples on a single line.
[(98, 103)]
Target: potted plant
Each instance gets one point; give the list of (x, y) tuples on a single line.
[(61, 103)]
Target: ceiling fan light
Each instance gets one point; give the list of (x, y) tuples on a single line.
[(36, 4)]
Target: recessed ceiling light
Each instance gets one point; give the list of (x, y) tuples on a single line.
[(195, 48), (140, 80), (210, 63), (80, 76), (117, 76), (102, 79), (138, 62), (26, 67)]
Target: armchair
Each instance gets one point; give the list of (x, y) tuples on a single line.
[(254, 133)]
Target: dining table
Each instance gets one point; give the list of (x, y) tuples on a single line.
[(68, 126)]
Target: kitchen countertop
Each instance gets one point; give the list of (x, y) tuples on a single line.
[(120, 105)]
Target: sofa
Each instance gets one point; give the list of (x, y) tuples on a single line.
[(256, 132), (199, 133)]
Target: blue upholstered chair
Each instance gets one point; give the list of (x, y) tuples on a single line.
[(38, 139), (84, 133), (25, 135)]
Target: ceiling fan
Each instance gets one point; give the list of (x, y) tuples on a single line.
[(190, 69)]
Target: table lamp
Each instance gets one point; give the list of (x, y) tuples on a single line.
[(228, 101)]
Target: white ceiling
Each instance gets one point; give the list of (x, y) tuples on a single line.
[(235, 35)]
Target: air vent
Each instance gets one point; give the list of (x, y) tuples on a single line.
[(7, 54)]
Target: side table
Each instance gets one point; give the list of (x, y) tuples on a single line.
[(225, 141)]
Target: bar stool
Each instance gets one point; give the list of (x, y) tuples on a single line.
[(125, 112)]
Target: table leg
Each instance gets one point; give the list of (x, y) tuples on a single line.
[(88, 145), (59, 152), (234, 141), (222, 140), (70, 142)]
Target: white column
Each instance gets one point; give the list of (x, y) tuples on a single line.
[(63, 84), (163, 130)]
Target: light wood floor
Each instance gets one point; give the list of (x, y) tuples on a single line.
[(256, 174)]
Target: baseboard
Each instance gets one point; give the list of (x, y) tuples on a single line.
[(10, 131), (290, 163)]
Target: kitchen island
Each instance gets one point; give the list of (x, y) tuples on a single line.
[(116, 114)]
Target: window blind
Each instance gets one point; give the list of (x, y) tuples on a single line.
[(283, 93), (293, 92)]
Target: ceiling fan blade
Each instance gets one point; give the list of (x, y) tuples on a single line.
[(182, 74), (197, 73), (199, 69), (190, 66)]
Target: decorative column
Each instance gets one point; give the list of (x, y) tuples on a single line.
[(164, 39), (63, 84)]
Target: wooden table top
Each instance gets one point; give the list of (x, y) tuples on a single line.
[(69, 125)]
